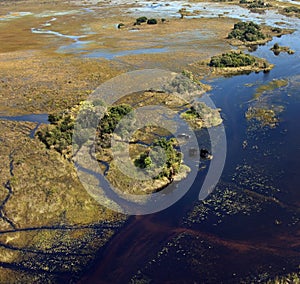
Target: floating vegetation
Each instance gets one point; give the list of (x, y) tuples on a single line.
[(274, 84), (185, 252), (226, 200), (267, 104), (265, 116), (254, 179), (290, 278), (249, 192)]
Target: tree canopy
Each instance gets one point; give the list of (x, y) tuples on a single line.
[(246, 31)]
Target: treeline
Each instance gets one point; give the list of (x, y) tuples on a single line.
[(59, 134)]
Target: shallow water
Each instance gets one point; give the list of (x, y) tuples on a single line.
[(38, 118)]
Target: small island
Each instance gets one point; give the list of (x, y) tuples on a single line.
[(251, 34), (256, 6), (277, 49), (237, 62), (143, 144)]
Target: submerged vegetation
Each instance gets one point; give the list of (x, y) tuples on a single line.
[(263, 111)]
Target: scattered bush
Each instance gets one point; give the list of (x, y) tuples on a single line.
[(172, 158), (259, 4), (121, 25), (110, 121), (59, 134), (291, 9)]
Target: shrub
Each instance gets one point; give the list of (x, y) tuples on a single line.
[(152, 22), (141, 20), (110, 121)]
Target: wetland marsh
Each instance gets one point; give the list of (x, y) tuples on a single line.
[(54, 54)]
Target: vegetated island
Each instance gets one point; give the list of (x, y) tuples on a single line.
[(59, 134), (251, 34), (256, 6), (236, 62), (278, 48)]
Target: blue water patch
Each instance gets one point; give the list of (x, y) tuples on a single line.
[(49, 32), (38, 118)]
